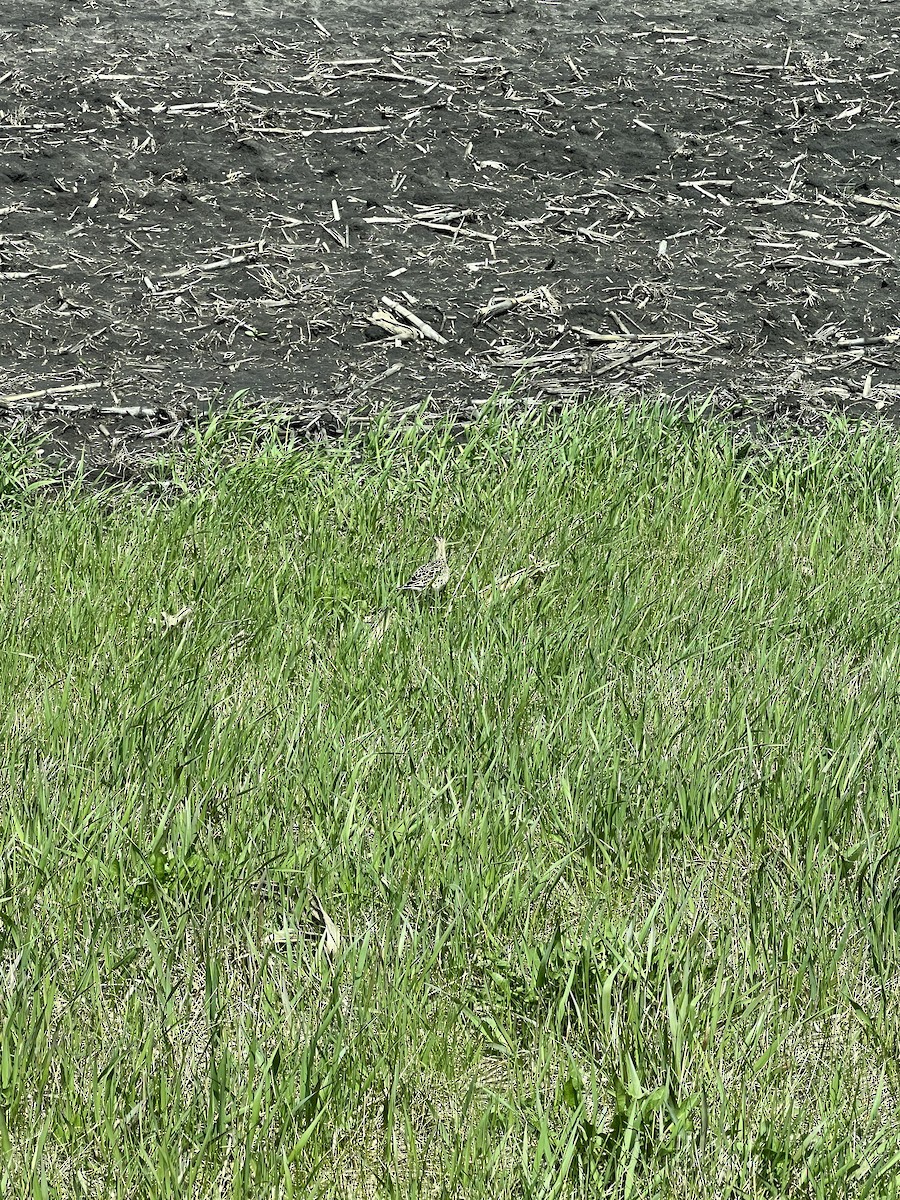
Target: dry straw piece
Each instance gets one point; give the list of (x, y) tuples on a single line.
[(321, 927), (536, 569)]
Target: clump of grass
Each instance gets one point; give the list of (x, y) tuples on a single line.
[(613, 853)]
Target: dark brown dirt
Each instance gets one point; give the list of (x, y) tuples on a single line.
[(180, 220)]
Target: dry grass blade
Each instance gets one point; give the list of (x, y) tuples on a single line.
[(379, 622), (321, 927), (505, 583), (328, 933), (39, 394), (166, 622)]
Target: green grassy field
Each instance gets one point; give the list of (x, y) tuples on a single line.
[(612, 849)]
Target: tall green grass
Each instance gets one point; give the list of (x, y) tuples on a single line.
[(614, 854)]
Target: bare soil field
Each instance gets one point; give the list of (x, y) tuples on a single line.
[(349, 207)]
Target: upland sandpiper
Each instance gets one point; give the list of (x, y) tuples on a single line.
[(433, 575)]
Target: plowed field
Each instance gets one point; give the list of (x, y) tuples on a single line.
[(348, 207)]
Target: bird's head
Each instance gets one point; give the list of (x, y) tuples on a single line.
[(441, 544)]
